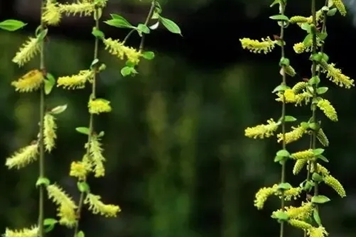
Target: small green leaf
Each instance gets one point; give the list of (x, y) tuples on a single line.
[(58, 109), (98, 33), (279, 18), (322, 90), (280, 88), (149, 55), (49, 224), (101, 134), (126, 71), (48, 86), (306, 27), (318, 151), (320, 199), (83, 130), (316, 217), (42, 34), (305, 125), (83, 187), (332, 12), (322, 36), (170, 25), (280, 215), (11, 25), (94, 63), (316, 57), (314, 80), (323, 158), (42, 181), (308, 185), (284, 186), (143, 28), (289, 118), (119, 22), (80, 234), (284, 62), (317, 177), (314, 126), (283, 153), (275, 2)]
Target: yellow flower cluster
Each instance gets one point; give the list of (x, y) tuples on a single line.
[(263, 130), (264, 46)]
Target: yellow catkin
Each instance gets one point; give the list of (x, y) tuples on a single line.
[(264, 46), (307, 154), (335, 184), (293, 135), (329, 111), (262, 196), (300, 224), (299, 165), (263, 130)]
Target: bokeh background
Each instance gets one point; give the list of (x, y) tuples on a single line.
[(178, 163)]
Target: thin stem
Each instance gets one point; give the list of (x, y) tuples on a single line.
[(41, 162), (314, 73), (284, 82), (148, 18), (91, 121), (128, 35)]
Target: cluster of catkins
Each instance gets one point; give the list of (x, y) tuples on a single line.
[(307, 92)]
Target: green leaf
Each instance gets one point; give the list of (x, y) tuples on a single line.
[(284, 62), (42, 34), (314, 126), (170, 25), (275, 2), (280, 215), (42, 181), (283, 153), (279, 18), (11, 25), (280, 88), (143, 28), (318, 151), (83, 187), (323, 158), (48, 86), (49, 224), (98, 33), (94, 63), (320, 199), (316, 57), (332, 12), (322, 90), (284, 186), (83, 130), (306, 27), (126, 71), (314, 80), (316, 217), (80, 234), (119, 22), (317, 177), (101, 134), (308, 185), (149, 55), (59, 109), (289, 118)]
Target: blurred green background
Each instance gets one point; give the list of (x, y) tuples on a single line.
[(178, 163)]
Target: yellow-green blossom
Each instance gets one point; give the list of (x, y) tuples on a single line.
[(263, 130), (121, 51), (31, 81), (335, 184), (317, 232), (98, 106), (340, 6), (299, 165), (79, 8), (27, 51), (51, 13), (25, 232), (98, 207), (50, 127), (293, 135), (264, 46), (336, 76), (78, 170), (329, 111), (76, 81), (23, 157)]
